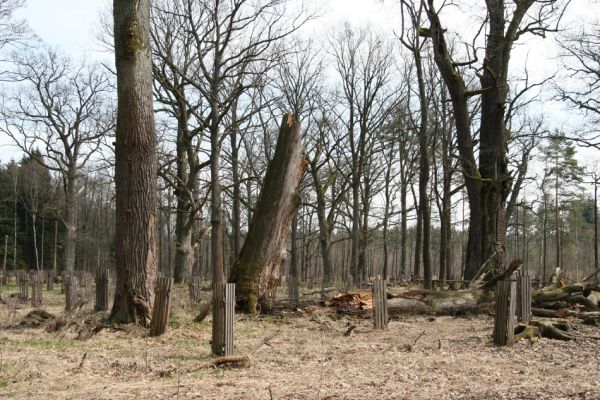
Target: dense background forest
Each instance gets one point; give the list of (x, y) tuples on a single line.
[(384, 179)]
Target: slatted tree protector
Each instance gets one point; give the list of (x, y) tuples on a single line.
[(380, 309), (101, 290), (162, 300), (523, 298), (23, 280), (223, 331), (504, 320), (50, 282), (37, 281), (70, 285)]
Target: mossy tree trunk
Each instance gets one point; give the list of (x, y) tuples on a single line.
[(135, 168), (256, 271)]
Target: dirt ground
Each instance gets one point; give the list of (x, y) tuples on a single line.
[(292, 356)]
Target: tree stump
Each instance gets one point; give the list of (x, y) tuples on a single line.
[(160, 312), (380, 308), (524, 298), (505, 311), (37, 281), (101, 290)]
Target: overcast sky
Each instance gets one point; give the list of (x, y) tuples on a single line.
[(70, 25)]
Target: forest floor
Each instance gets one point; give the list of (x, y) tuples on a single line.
[(293, 355)]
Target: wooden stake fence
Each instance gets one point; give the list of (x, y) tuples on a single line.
[(380, 309), (160, 312), (504, 321), (101, 290), (523, 298), (223, 331)]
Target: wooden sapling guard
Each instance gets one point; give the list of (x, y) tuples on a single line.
[(70, 285), (222, 338), (523, 298), (160, 312), (504, 320), (23, 280), (194, 286), (256, 272), (50, 282), (37, 282), (101, 290), (380, 308)]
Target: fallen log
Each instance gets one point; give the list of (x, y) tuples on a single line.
[(552, 297), (440, 302)]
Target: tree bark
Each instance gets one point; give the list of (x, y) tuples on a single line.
[(135, 165), (256, 271)]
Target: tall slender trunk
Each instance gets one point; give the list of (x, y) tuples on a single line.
[(557, 219), (403, 229), (236, 205), (355, 249), (293, 284), (54, 261), (35, 243), (544, 239)]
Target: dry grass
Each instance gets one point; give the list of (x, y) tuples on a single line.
[(292, 356)]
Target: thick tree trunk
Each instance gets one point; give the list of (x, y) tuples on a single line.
[(135, 165), (256, 271), (184, 251)]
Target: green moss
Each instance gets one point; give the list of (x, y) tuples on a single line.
[(134, 38)]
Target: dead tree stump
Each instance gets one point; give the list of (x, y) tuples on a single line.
[(160, 312), (37, 281), (524, 298), (505, 311), (380, 308), (101, 290), (50, 283), (222, 333), (70, 286)]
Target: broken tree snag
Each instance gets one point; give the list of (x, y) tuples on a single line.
[(256, 272)]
